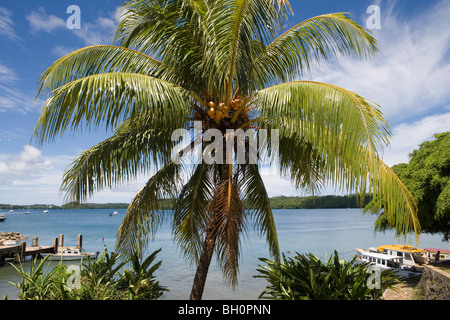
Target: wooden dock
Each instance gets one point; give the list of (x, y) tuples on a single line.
[(19, 252)]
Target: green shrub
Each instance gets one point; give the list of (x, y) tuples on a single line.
[(306, 277), (98, 279)]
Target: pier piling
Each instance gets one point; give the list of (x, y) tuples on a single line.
[(21, 251), (80, 242)]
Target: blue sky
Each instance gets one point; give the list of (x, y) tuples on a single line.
[(409, 78)]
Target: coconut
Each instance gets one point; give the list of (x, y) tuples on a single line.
[(211, 113), (218, 116)]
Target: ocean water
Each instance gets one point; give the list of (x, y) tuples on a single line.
[(317, 231)]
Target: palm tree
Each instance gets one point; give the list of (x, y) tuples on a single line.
[(226, 64)]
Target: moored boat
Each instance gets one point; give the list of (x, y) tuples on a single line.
[(385, 261), (67, 253), (411, 256), (443, 253), (2, 218)]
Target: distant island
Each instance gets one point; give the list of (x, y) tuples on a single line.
[(279, 202)]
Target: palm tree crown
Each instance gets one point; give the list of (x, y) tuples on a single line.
[(226, 64)]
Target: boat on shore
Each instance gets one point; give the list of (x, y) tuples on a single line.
[(443, 253), (386, 261), (411, 256), (71, 253)]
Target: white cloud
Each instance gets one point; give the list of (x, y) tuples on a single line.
[(15, 100), (40, 20), (61, 50), (410, 76), (6, 24), (7, 75), (10, 134), (407, 137), (25, 166), (100, 31)]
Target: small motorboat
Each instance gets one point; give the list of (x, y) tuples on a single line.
[(9, 243), (68, 253), (2, 218), (386, 261)]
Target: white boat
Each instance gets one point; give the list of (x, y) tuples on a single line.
[(45, 211), (444, 254), (67, 253), (384, 261), (9, 243), (412, 256)]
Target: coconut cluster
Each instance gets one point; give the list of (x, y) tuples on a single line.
[(221, 110)]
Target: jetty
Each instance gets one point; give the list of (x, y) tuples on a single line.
[(20, 251)]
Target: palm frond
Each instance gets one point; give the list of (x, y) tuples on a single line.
[(101, 59), (110, 98), (258, 204), (119, 159), (361, 172), (149, 27), (345, 132), (321, 113), (346, 138), (236, 25), (294, 52), (190, 216), (228, 215), (144, 214), (302, 164), (391, 198)]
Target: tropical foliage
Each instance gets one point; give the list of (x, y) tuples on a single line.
[(306, 277), (427, 176), (226, 64), (99, 279)]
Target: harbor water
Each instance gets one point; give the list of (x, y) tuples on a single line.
[(317, 231)]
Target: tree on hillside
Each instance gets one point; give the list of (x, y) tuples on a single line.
[(427, 176), (223, 64)]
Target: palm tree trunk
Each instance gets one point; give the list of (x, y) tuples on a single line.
[(208, 246), (203, 265)]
